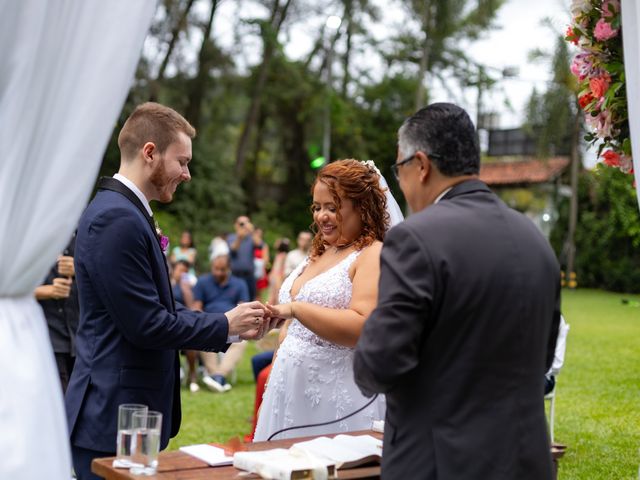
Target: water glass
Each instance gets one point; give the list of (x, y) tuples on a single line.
[(125, 437), (147, 427)]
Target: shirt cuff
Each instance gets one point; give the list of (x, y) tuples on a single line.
[(233, 339)]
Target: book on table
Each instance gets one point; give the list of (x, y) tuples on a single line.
[(314, 459), (213, 455)]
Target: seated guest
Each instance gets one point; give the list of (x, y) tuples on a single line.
[(558, 357), (183, 293), (215, 292)]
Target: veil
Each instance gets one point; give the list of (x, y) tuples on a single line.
[(393, 209)]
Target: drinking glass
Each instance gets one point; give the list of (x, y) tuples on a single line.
[(146, 429), (124, 442)]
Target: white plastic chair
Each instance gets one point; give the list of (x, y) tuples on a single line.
[(558, 361)]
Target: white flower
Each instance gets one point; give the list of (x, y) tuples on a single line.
[(579, 7), (371, 165)]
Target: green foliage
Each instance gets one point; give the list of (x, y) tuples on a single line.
[(203, 82), (608, 231), (551, 115)]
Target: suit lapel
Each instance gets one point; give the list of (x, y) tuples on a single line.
[(108, 183)]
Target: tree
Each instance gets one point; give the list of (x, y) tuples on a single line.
[(554, 118), (608, 231), (270, 30), (444, 25)]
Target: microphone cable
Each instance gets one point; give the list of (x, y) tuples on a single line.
[(323, 423)]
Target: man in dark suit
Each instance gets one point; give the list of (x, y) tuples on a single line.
[(466, 321), (130, 327)]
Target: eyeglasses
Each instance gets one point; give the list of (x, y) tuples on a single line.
[(396, 166)]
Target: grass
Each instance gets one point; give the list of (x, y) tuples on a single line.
[(597, 402)]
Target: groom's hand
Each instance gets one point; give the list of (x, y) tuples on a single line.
[(269, 323), (246, 316)]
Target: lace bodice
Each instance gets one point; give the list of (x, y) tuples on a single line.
[(312, 379), (331, 288)]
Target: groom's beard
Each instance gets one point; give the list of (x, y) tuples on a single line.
[(162, 183)]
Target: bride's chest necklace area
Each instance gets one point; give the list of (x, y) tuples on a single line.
[(318, 268)]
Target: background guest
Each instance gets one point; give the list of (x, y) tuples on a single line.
[(260, 263), (58, 297), (295, 257), (242, 253), (183, 293), (277, 275), (216, 292)]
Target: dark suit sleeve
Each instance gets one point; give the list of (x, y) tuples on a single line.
[(389, 345), (120, 258)]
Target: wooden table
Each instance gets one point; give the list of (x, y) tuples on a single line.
[(177, 465)]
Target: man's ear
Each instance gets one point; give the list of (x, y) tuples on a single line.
[(148, 150), (424, 166)]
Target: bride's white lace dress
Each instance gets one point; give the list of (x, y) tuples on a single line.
[(312, 378)]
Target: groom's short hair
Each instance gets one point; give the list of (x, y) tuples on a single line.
[(446, 134), (152, 122)]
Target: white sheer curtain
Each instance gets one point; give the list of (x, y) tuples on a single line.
[(631, 45), (65, 69)]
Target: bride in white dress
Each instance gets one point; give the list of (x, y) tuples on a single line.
[(328, 297)]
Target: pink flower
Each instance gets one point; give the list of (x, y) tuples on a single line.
[(603, 30), (164, 243), (601, 123), (606, 8), (581, 65), (626, 164)]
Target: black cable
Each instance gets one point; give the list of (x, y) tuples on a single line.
[(323, 423)]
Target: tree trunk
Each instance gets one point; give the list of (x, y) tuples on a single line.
[(199, 83), (573, 207), (348, 16), (251, 178), (270, 36), (427, 19), (175, 33)]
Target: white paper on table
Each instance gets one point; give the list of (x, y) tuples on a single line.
[(214, 456)]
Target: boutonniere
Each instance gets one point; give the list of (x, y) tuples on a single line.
[(163, 239)]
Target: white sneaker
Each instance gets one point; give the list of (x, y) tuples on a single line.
[(194, 387), (215, 386)]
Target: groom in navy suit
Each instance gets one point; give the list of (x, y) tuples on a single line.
[(130, 326)]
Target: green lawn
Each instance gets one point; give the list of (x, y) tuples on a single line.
[(597, 403)]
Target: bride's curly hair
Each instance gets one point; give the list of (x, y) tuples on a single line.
[(360, 183)]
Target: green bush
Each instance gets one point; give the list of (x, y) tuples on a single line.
[(607, 233)]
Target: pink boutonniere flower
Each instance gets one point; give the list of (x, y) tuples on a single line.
[(163, 239), (164, 243)]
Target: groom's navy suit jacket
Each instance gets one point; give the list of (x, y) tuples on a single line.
[(464, 331), (130, 327)]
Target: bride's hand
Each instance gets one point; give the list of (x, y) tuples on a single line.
[(284, 311)]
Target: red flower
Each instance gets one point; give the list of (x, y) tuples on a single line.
[(571, 36), (585, 100), (611, 158)]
